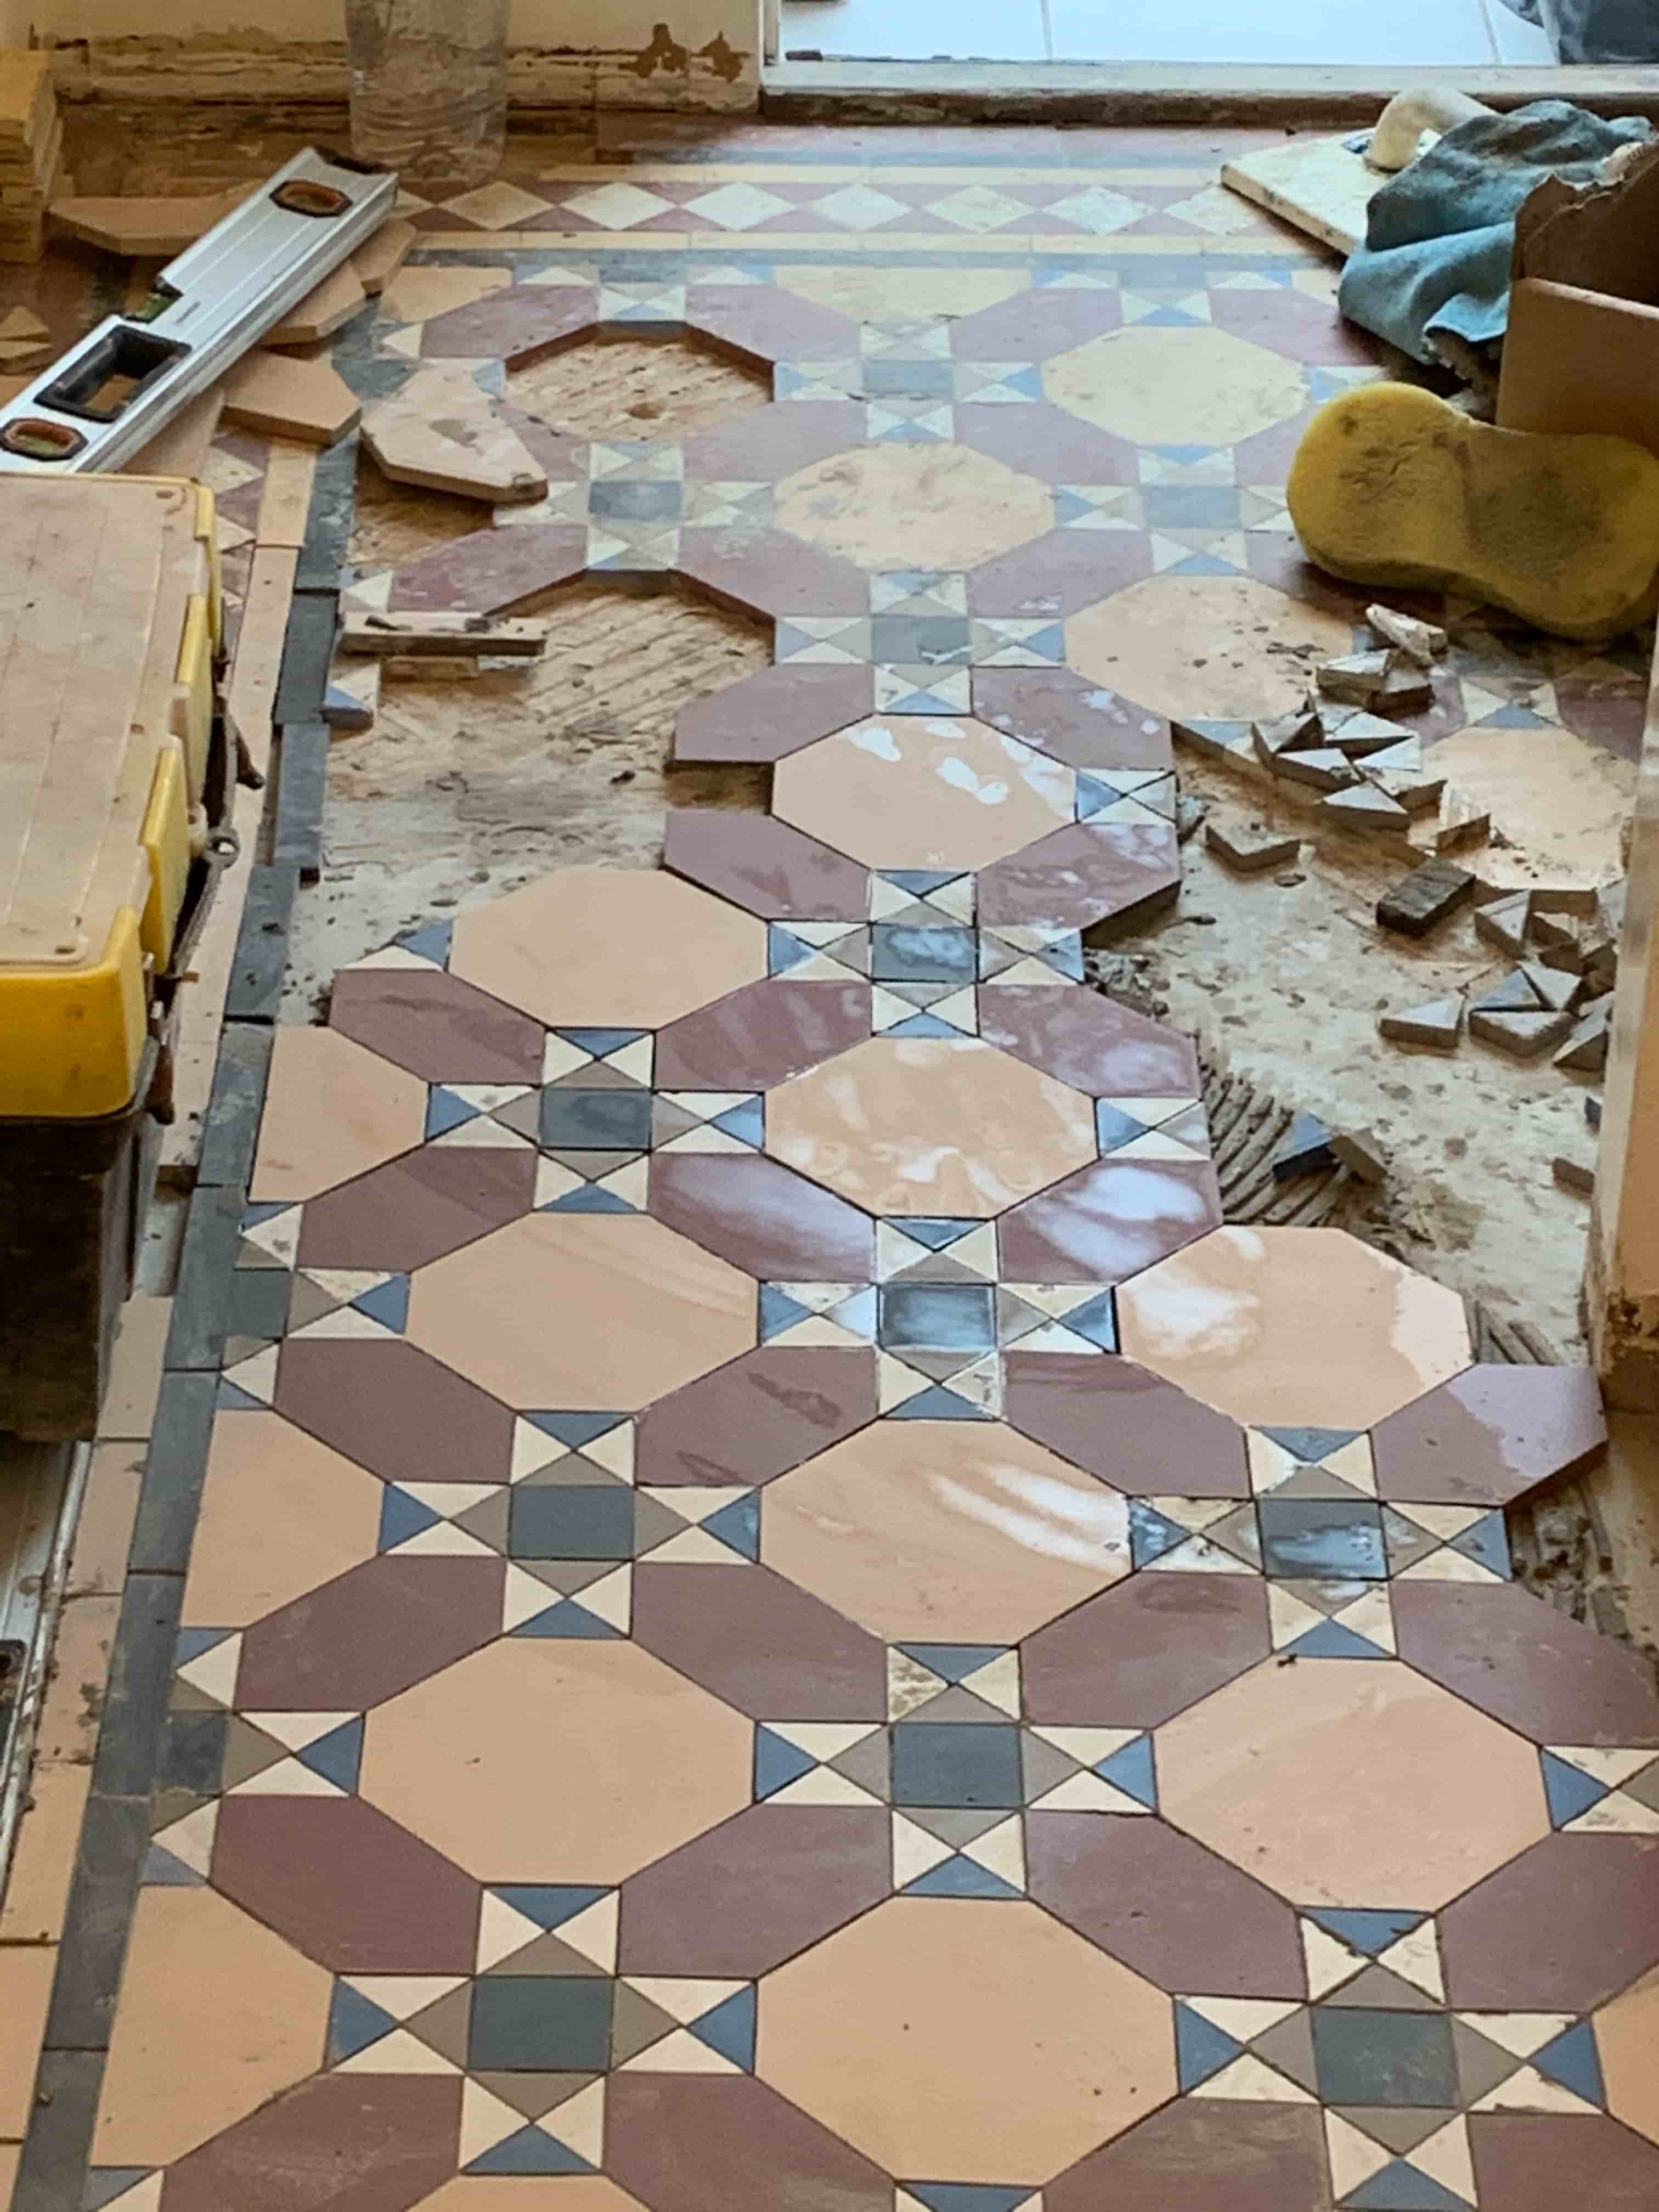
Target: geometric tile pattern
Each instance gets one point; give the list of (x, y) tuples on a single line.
[(797, 1622)]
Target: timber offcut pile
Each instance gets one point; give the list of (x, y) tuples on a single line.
[(31, 142)]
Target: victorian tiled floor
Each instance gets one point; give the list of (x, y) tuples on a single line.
[(781, 1615)]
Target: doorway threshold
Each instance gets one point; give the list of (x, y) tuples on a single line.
[(1147, 93)]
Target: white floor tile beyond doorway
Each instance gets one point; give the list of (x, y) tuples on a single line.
[(1401, 34)]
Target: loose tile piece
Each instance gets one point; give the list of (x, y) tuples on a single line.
[(1423, 898), (1437, 1023)]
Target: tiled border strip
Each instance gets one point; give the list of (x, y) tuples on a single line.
[(133, 1549)]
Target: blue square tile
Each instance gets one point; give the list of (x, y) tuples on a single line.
[(1337, 1537), (540, 2024), (914, 952), (562, 1521), (595, 1121), (1366, 2057), (956, 1762), (937, 1316)]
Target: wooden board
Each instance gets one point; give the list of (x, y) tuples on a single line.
[(285, 502), (390, 636), (259, 647), (145, 228), (181, 448), (441, 430), (378, 260)]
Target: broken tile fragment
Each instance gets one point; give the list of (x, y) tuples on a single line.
[(1523, 1036), (1436, 1023), (1504, 923), (1251, 851), (1287, 733), (441, 430), (1425, 897), (1420, 641), (1305, 1150), (1515, 994), (1462, 823), (1555, 987), (1358, 735), (1367, 809), (1576, 1175), (1325, 767), (1356, 676), (1585, 1052), (1359, 1151)]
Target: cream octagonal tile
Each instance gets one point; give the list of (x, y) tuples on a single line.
[(1342, 1782), (614, 947), (930, 1125), (1627, 2036), (204, 1978), (920, 791), (601, 1310), (891, 506), (333, 1109), (1205, 648), (1293, 1327), (952, 2039), (1160, 387), (545, 1760), (945, 1530)]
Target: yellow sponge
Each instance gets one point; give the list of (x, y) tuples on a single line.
[(1393, 486)]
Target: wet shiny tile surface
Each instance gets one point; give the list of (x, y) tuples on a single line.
[(781, 1615)]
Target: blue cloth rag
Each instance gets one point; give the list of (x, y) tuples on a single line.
[(1435, 265)]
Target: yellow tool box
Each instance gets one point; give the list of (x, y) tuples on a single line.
[(114, 786)]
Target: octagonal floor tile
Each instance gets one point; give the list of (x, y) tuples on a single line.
[(1627, 2035), (1231, 1317), (930, 1125), (1152, 384), (945, 1530), (878, 505), (1342, 1785), (332, 1110), (600, 1310), (914, 790), (608, 946), (541, 1760), (950, 2039), (1200, 647)]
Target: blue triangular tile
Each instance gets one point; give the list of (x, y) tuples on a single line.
[(529, 2151), (1068, 507), (1131, 1771), (264, 1210), (574, 1429), (1164, 319), (1113, 1126), (1091, 797), (779, 1311), (967, 2195), (337, 1755), (1402, 2188), (444, 1111), (1201, 2049), (730, 2029), (1097, 1321), (960, 1877), (935, 1231), (785, 951), (777, 1763), (1330, 1640), (923, 1025), (431, 942), (104, 2183), (589, 1199), (1366, 1931), (1050, 642), (954, 1662), (229, 1398), (387, 1302), (1487, 1541), (548, 1904), (1568, 1790), (1185, 453), (746, 1123), (1312, 1445), (739, 1525), (1202, 564), (355, 2022), (163, 1871), (403, 1517), (1151, 1535), (1514, 718), (599, 1041), (1572, 2059), (570, 1621), (1026, 381), (925, 703), (937, 1404), (192, 1643), (919, 881)]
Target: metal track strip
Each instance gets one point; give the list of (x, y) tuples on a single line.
[(105, 399)]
